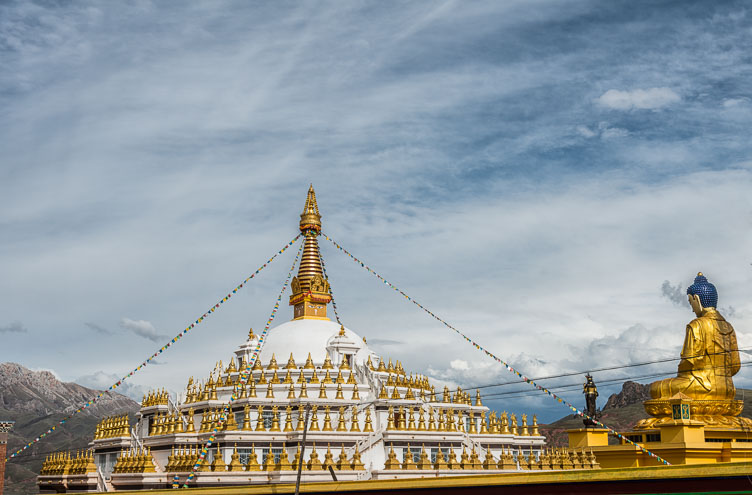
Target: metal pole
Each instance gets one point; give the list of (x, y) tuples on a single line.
[(302, 449), (331, 471)]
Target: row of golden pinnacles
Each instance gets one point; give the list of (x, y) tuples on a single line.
[(448, 422), (209, 392), (550, 459), (65, 463), (171, 423), (397, 378), (113, 427), (183, 459), (155, 398), (395, 381), (135, 461), (210, 420)]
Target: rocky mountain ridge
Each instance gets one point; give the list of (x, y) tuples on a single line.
[(37, 400), (40, 393), (631, 393)]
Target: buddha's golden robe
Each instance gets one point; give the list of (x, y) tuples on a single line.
[(710, 357)]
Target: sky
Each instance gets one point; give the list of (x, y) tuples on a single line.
[(547, 176)]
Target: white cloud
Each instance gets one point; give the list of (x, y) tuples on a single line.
[(640, 99), (585, 131), (614, 132), (735, 102), (461, 372), (602, 130), (101, 380), (459, 364), (142, 328)]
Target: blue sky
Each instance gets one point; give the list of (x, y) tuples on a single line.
[(542, 174)]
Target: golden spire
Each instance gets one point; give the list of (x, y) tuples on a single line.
[(342, 463), (310, 290), (309, 363)]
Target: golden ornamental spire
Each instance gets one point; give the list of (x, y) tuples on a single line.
[(310, 290), (310, 218)]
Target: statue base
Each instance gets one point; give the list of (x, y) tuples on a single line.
[(723, 413), (587, 437)]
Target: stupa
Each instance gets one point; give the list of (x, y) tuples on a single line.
[(369, 418)]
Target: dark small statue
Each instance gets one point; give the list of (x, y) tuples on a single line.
[(591, 393)]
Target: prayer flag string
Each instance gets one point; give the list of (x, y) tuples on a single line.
[(496, 358), (169, 344), (244, 375)]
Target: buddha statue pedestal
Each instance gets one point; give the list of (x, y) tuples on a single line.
[(724, 413)]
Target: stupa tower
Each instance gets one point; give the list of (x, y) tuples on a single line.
[(310, 289), (335, 397)]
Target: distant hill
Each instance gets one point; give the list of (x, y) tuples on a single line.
[(36, 400), (621, 412)]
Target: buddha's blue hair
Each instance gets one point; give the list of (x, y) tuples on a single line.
[(706, 291)]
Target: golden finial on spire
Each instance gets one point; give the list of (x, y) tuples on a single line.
[(310, 218), (251, 335), (310, 289)]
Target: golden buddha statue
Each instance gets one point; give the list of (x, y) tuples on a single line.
[(709, 360)]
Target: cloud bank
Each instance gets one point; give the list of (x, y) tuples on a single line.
[(638, 99)]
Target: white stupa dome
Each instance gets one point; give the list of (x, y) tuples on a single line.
[(300, 337)]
